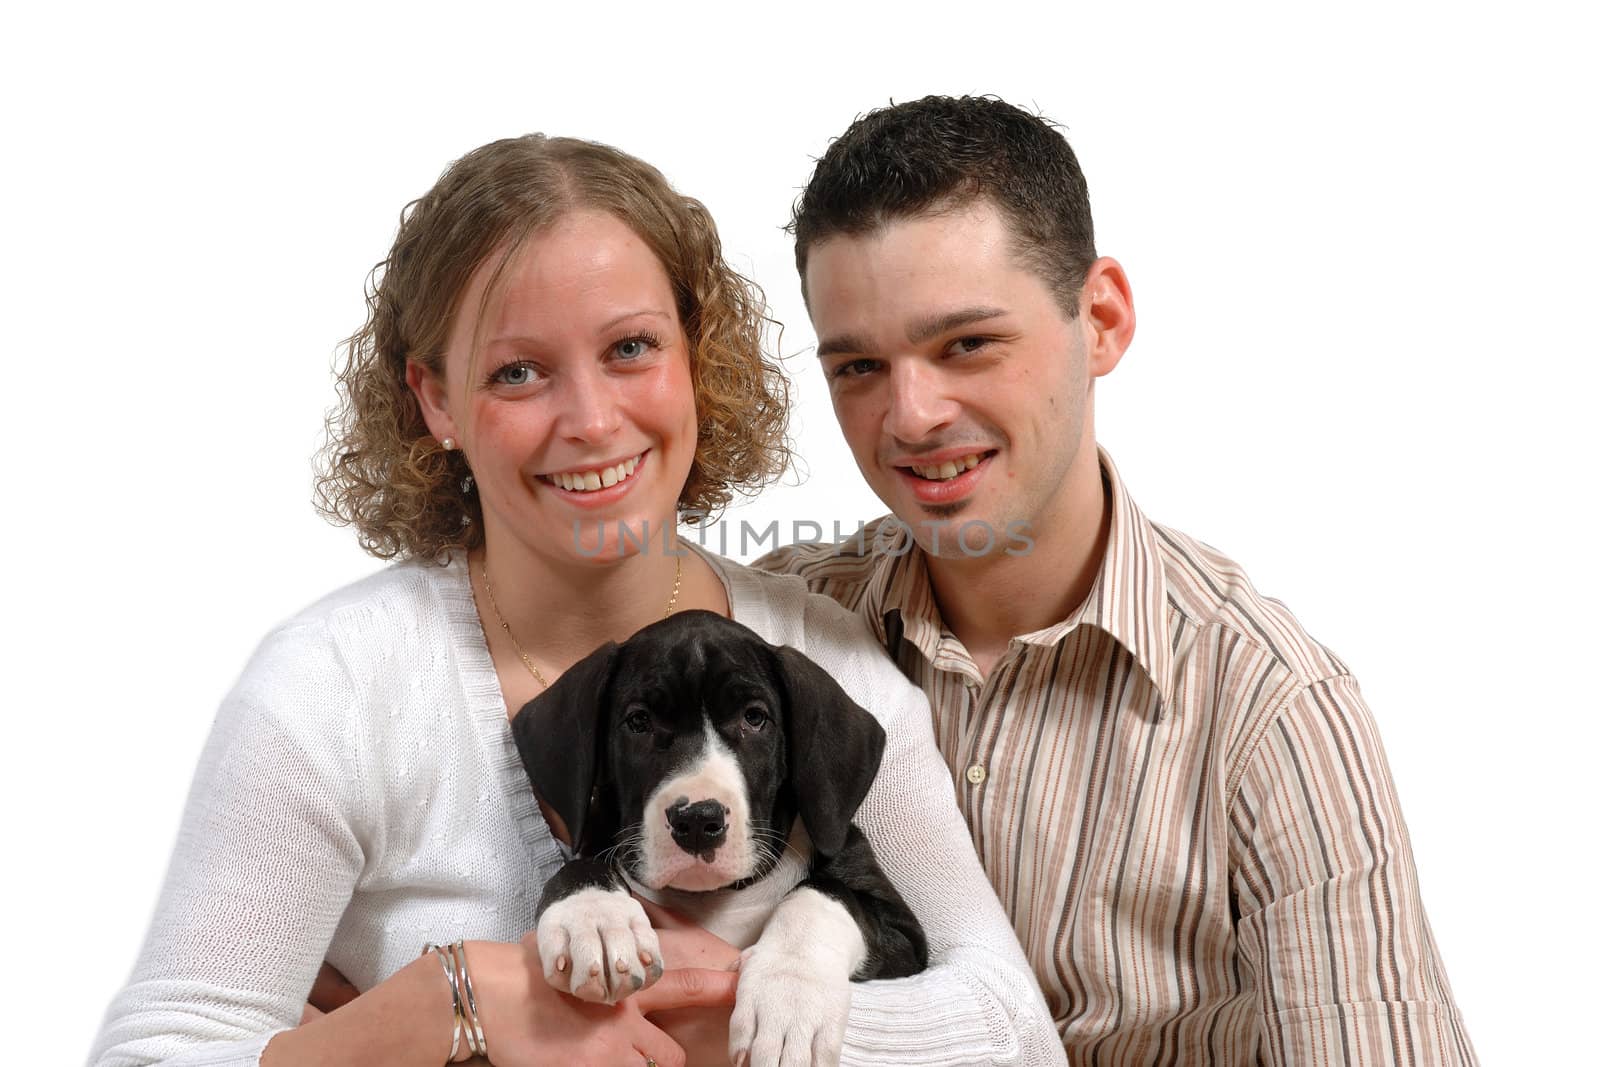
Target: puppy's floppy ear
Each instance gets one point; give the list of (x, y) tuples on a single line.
[(835, 746), (561, 736)]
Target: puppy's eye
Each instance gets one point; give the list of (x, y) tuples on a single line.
[(638, 722), (755, 716)]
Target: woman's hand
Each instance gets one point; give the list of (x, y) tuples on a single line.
[(702, 1032), (683, 944), (526, 1022), (688, 1007)]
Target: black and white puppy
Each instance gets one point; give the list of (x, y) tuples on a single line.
[(717, 774)]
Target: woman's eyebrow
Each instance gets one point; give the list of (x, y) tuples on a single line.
[(639, 313), (611, 323)]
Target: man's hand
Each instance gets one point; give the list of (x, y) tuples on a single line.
[(329, 992)]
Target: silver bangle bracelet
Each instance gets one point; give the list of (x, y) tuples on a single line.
[(475, 1039), (459, 1025)]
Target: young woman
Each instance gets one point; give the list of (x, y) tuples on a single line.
[(557, 363)]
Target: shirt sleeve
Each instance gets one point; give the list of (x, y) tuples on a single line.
[(265, 863), (977, 1002), (1330, 917)]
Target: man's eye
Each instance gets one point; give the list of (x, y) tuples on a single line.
[(965, 345), (638, 722), (854, 368)]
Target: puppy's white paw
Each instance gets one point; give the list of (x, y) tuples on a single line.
[(789, 1012), (794, 985), (597, 945)]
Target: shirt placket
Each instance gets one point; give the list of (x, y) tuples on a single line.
[(984, 716)]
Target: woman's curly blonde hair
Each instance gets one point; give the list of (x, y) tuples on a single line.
[(383, 473)]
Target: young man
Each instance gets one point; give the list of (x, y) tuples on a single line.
[(1178, 794)]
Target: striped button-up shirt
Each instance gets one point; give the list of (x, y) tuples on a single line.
[(1182, 802)]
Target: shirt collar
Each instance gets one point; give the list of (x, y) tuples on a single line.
[(899, 594), (1128, 600)]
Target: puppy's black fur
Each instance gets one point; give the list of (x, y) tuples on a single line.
[(619, 722)]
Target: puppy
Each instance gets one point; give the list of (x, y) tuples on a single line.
[(704, 768)]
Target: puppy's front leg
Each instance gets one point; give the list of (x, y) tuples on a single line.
[(794, 983), (594, 939)]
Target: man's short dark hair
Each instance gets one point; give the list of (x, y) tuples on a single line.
[(942, 153)]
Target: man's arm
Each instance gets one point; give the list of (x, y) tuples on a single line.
[(839, 571), (1330, 917)]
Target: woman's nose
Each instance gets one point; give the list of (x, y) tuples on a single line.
[(589, 406)]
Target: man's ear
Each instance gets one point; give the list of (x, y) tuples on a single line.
[(835, 747), (561, 736), (1105, 304), (429, 389)]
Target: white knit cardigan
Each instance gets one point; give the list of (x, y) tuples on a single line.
[(360, 795)]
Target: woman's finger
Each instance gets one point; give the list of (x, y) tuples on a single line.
[(653, 1046), (688, 987), (663, 918), (694, 947)]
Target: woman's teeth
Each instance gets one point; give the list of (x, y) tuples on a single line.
[(604, 478), (943, 472)]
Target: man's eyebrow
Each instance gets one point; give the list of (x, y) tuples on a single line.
[(843, 344), (920, 330), (932, 326)]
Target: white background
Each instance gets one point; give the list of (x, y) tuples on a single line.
[(1362, 243)]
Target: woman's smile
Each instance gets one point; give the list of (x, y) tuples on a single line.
[(601, 477), (600, 485)]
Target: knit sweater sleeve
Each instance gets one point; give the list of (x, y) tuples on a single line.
[(977, 1003), (267, 855)]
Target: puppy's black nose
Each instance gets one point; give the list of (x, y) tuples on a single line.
[(698, 828)]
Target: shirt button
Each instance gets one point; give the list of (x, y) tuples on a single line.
[(976, 774)]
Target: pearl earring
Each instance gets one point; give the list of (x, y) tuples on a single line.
[(449, 444)]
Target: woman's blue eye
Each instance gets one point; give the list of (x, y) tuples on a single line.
[(514, 374), (633, 348)]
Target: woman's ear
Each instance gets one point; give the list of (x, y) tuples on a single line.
[(429, 389)]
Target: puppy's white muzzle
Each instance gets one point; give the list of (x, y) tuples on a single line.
[(696, 834)]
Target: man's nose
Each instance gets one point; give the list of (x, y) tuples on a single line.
[(919, 403)]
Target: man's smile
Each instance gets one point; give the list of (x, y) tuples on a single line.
[(945, 479), (945, 470)]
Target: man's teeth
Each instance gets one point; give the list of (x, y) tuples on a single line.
[(948, 469), (604, 478)]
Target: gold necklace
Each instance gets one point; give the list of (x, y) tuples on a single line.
[(672, 602)]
